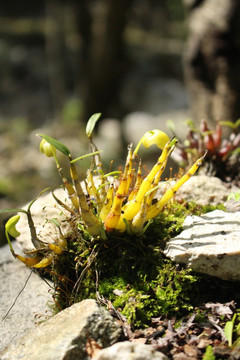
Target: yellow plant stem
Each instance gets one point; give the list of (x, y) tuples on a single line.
[(91, 188), (55, 248), (115, 212), (71, 193), (46, 261), (157, 208), (107, 204), (139, 219), (98, 163), (138, 182), (154, 185), (88, 217), (133, 206), (30, 262), (68, 186), (70, 189), (128, 172)]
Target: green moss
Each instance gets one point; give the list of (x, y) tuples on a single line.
[(146, 297), (148, 284)]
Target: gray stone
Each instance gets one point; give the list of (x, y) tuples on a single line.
[(65, 335), (130, 351), (209, 244), (31, 305)]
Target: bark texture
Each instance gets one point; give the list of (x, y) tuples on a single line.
[(212, 59)]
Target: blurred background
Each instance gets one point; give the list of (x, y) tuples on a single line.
[(140, 63)]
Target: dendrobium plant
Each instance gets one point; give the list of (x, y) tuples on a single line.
[(123, 200), (222, 159)]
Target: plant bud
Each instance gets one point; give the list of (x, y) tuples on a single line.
[(47, 148), (155, 137), (11, 226)]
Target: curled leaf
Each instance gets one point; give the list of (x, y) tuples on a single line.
[(153, 137), (11, 226)]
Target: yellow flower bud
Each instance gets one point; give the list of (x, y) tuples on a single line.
[(11, 226), (47, 148), (153, 137)]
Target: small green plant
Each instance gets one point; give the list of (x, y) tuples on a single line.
[(209, 354), (235, 196), (116, 231), (232, 330), (228, 329)]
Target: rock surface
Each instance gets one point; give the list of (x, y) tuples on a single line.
[(65, 335), (130, 351), (31, 306), (209, 244), (42, 210)]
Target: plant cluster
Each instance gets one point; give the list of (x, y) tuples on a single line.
[(222, 159), (116, 230)]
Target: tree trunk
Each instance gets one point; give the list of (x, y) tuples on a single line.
[(102, 52), (53, 48), (212, 59)]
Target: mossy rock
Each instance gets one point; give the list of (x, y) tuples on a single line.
[(129, 271)]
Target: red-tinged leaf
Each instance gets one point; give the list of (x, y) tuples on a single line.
[(217, 137)]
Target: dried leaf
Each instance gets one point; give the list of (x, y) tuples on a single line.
[(220, 309), (190, 350)]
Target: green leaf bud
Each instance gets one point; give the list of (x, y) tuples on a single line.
[(11, 226), (91, 123)]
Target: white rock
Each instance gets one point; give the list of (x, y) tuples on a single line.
[(130, 351), (65, 335), (209, 244), (43, 209)]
